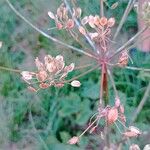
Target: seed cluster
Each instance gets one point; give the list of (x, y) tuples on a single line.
[(50, 73)]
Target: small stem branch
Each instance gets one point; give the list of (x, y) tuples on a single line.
[(128, 42), (83, 66), (113, 83), (138, 110), (9, 69), (46, 35), (127, 11), (83, 74), (101, 8), (137, 69), (88, 127)]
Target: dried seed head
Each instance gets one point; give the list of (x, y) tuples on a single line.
[(51, 15), (112, 115), (82, 30), (111, 22), (73, 140), (75, 83), (134, 147), (103, 21), (54, 65)]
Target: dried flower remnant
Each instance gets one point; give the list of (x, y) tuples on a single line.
[(62, 19), (100, 30), (50, 73)]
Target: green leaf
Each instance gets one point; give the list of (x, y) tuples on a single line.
[(69, 105), (90, 90), (84, 114)]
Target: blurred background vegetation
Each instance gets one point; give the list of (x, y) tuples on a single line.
[(58, 114)]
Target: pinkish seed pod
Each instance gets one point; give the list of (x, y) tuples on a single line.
[(111, 22), (41, 76), (134, 147), (26, 75), (44, 85), (85, 20), (122, 118), (130, 134), (32, 89), (82, 30), (112, 115), (69, 68), (59, 25), (103, 21), (59, 85), (51, 15), (123, 59), (70, 24), (135, 129), (121, 109), (75, 83), (93, 129), (73, 140), (117, 102)]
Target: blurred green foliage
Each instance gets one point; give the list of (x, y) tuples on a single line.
[(58, 114)]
